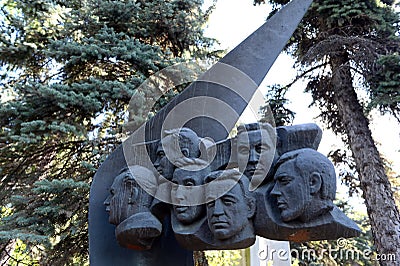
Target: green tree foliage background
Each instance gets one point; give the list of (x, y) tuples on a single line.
[(68, 71), (368, 32), (69, 68)]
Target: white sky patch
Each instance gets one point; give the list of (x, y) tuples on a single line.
[(233, 20)]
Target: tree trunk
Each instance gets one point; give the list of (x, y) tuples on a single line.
[(6, 248), (200, 258), (381, 207)]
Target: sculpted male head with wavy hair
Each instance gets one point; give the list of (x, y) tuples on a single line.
[(305, 185), (230, 205), (186, 193)]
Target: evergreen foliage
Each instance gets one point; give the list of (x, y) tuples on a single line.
[(69, 69), (363, 31), (277, 102)]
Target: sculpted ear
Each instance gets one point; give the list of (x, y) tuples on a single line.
[(315, 183), (185, 152), (251, 203), (133, 192)]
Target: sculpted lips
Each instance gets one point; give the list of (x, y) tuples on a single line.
[(181, 209), (260, 172), (250, 170), (256, 173), (282, 204), (220, 224), (159, 170)]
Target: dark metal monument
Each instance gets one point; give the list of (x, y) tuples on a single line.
[(179, 184)]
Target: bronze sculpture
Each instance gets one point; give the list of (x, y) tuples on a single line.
[(214, 209), (272, 218)]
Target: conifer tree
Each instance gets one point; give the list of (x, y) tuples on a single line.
[(342, 47), (69, 69)]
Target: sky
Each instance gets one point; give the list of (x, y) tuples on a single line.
[(233, 20)]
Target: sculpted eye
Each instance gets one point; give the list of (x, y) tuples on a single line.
[(185, 152), (265, 147), (160, 154), (211, 204), (258, 148), (243, 149), (284, 180), (228, 201)]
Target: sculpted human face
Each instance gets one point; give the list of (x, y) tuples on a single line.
[(187, 214), (292, 191), (123, 193), (254, 147), (163, 164), (228, 215)]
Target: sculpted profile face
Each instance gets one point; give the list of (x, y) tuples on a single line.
[(176, 143), (126, 196), (305, 185), (255, 149), (186, 178), (292, 192), (163, 166), (122, 192), (229, 214)]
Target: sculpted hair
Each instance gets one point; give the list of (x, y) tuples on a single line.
[(187, 139), (255, 126), (234, 175), (146, 176), (271, 132)]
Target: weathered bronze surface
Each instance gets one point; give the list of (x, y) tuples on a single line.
[(175, 190)]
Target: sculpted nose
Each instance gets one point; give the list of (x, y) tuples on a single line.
[(253, 156), (179, 194), (218, 209), (107, 202), (275, 191)]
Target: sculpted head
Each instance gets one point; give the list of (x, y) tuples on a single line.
[(190, 175), (177, 143), (126, 196), (255, 149), (305, 185), (229, 214)]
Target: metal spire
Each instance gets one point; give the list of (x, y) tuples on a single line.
[(234, 79)]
